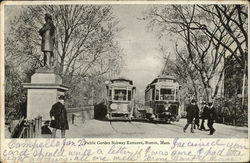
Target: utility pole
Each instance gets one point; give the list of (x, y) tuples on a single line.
[(243, 85), (92, 95), (244, 78)]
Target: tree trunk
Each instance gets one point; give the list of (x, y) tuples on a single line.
[(217, 84)]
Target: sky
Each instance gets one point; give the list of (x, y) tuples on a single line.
[(142, 60), (140, 47)]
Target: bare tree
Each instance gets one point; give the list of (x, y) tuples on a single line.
[(201, 34), (85, 44), (187, 76), (84, 37), (232, 18)]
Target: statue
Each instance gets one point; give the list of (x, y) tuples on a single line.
[(48, 40)]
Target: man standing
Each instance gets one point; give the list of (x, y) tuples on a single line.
[(197, 117), (204, 115), (211, 118), (191, 109), (48, 39), (58, 116)]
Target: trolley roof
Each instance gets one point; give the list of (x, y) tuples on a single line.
[(161, 77), (122, 79), (121, 83)]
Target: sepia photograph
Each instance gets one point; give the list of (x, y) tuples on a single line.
[(125, 70)]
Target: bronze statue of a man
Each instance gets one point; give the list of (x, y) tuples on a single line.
[(48, 40)]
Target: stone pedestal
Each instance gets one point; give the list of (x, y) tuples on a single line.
[(42, 93)]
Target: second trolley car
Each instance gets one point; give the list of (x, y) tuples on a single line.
[(120, 99), (162, 99)]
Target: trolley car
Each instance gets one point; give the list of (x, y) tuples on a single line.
[(120, 99), (162, 99)]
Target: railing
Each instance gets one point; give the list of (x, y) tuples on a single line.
[(231, 120), (82, 113), (27, 128)]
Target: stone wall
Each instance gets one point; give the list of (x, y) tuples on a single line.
[(80, 114)]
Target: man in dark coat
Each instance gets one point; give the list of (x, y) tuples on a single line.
[(211, 118), (191, 110), (204, 116), (58, 116), (197, 118)]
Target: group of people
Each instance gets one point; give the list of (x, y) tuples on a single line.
[(59, 120), (193, 117)]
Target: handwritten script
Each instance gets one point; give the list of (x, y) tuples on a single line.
[(76, 150)]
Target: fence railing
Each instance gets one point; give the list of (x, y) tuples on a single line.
[(231, 120), (27, 128)]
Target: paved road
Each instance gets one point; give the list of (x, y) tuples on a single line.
[(135, 129)]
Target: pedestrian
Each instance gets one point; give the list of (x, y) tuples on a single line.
[(191, 109), (197, 117), (204, 115), (58, 116), (45, 128), (211, 118)]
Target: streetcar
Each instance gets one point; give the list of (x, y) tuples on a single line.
[(162, 99), (120, 99)]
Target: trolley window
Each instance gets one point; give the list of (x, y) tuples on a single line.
[(166, 91), (120, 95), (157, 95), (166, 94), (129, 95)]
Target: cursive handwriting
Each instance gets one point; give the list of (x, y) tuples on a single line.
[(79, 150)]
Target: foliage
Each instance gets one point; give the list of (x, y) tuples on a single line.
[(15, 95), (233, 79), (232, 111), (187, 77), (85, 48), (87, 90), (84, 38)]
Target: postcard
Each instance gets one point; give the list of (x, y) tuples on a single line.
[(124, 81)]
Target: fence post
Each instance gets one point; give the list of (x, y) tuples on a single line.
[(28, 129), (25, 130), (92, 111), (35, 126), (32, 129), (73, 118), (39, 126), (233, 121)]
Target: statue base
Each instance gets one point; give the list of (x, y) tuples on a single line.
[(45, 70), (43, 92)]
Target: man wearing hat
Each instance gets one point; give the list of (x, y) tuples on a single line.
[(58, 116), (211, 118), (204, 115), (191, 112)]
